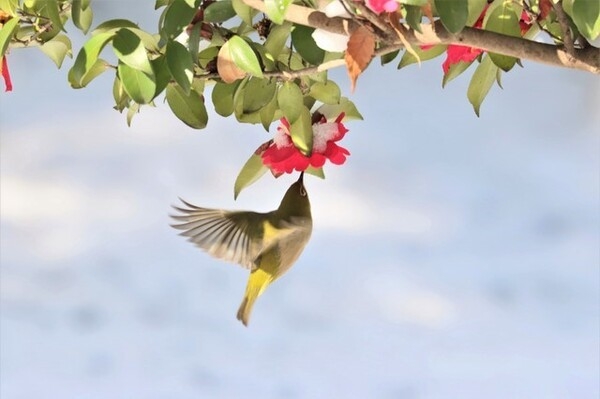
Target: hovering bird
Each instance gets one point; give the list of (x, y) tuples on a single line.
[(266, 243)]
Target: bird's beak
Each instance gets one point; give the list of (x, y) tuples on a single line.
[(301, 178)]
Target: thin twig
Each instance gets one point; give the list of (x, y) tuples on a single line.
[(563, 21)]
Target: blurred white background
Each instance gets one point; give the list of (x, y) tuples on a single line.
[(452, 256)]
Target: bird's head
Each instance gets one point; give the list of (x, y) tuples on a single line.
[(295, 201)]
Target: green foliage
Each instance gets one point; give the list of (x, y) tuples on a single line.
[(483, 78), (276, 9), (252, 170), (189, 108), (7, 33), (305, 45), (586, 16), (57, 49), (244, 56), (453, 13), (503, 19), (262, 69), (301, 131), (181, 65), (424, 55)]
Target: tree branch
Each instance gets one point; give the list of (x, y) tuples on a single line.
[(587, 59)]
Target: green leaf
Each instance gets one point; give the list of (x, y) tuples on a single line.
[(50, 9), (290, 101), (453, 13), (87, 58), (6, 33), (328, 93), (9, 6), (257, 94), (252, 170), (244, 11), (311, 170), (413, 16), (82, 15), (219, 11), (424, 55), (586, 16), (161, 73), (131, 111), (122, 100), (481, 82), (275, 9), (389, 57), (418, 3), (161, 3), (194, 42), (454, 71), (177, 17), (306, 46), (244, 57), (139, 85), (189, 108), (95, 70), (113, 25), (332, 111), (503, 19), (302, 133), (130, 50), (222, 97), (475, 9), (207, 55), (57, 49), (277, 39), (181, 65), (267, 113)]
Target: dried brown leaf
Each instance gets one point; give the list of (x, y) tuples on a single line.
[(361, 47)]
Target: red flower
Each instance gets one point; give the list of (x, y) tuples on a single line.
[(456, 54), (283, 157), (379, 6), (6, 75)]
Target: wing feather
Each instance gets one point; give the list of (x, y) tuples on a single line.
[(226, 235)]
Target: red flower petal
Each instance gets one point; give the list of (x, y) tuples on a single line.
[(336, 154), (317, 160), (6, 75), (456, 54)]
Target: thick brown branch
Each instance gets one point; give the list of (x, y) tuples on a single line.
[(587, 59)]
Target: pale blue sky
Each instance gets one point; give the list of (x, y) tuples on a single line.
[(452, 256)]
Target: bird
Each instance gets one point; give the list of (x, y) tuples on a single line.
[(266, 243)]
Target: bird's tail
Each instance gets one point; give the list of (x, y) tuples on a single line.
[(258, 281)]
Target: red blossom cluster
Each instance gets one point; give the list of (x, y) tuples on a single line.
[(282, 156)]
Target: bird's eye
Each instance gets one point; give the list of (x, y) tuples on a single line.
[(302, 191)]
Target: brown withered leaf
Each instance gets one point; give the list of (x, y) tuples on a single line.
[(226, 68), (361, 47)]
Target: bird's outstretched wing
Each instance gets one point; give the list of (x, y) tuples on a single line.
[(223, 234)]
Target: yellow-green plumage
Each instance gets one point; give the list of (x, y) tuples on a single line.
[(266, 243)]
